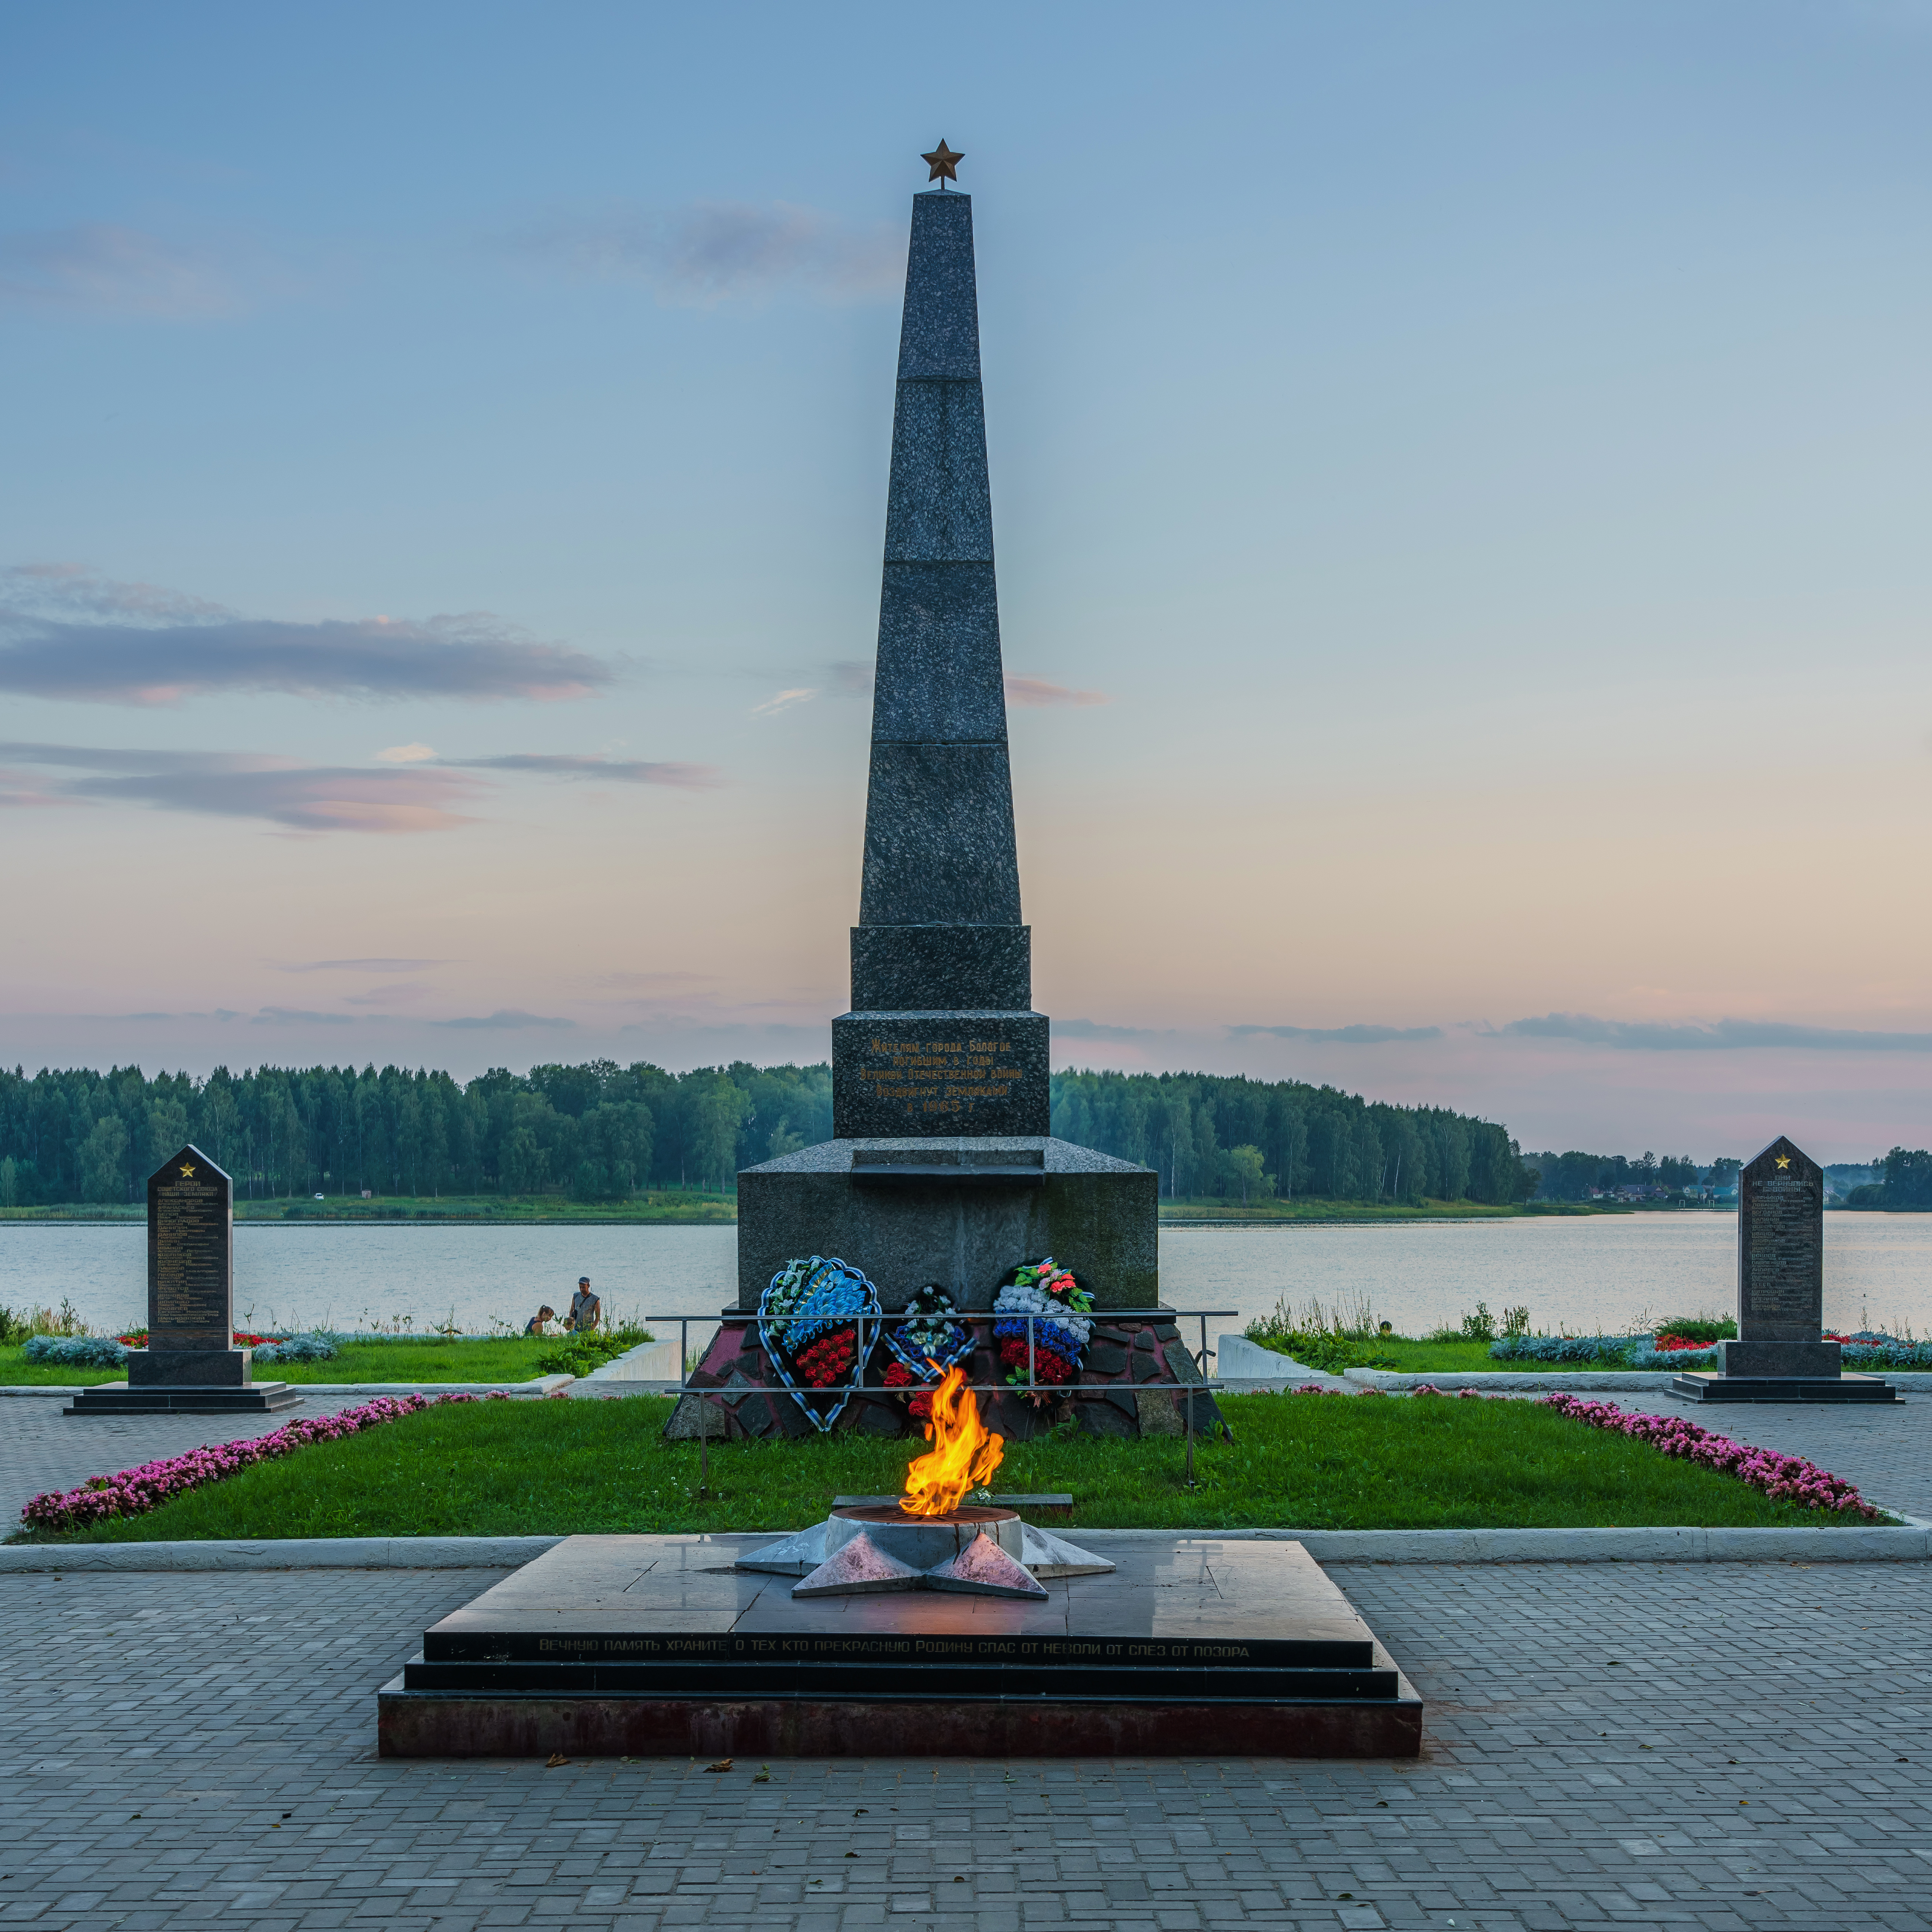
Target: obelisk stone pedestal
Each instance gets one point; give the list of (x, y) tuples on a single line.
[(190, 1365), (1780, 1354)]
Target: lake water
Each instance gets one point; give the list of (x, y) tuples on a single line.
[(1610, 1274)]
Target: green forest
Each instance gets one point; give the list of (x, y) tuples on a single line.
[(602, 1133)]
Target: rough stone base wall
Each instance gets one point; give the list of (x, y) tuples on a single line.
[(1131, 1378)]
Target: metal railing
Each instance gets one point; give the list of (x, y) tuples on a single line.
[(971, 1318)]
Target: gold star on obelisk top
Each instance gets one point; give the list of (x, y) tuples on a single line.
[(943, 162), (1784, 1160), (188, 1172)]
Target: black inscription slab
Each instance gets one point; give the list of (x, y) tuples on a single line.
[(190, 1255), (896, 1074), (1781, 1246)]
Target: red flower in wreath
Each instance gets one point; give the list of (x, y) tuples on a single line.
[(1047, 1366), (828, 1358)]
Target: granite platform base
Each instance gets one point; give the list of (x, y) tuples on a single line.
[(1703, 1387), (178, 1399), (655, 1645)]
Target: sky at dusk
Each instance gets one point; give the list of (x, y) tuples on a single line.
[(1459, 478)]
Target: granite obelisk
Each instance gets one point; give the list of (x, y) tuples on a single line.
[(941, 1038), (942, 1168)]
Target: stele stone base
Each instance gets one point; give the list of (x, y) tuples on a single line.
[(654, 1646), (1810, 1359), (183, 1398), (1699, 1386), (199, 1368), (961, 1211)]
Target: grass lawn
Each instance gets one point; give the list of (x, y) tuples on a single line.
[(554, 1467), (405, 1359)]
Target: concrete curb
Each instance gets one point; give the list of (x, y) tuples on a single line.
[(1635, 1381), (539, 1386), (1861, 1544), (328, 1553), (1606, 1381), (649, 1368)]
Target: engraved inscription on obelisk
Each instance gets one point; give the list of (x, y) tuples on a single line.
[(191, 1254)]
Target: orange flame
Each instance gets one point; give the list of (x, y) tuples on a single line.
[(963, 1454)]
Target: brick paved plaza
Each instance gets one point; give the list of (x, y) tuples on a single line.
[(1701, 1745)]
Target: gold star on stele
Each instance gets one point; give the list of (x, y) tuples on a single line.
[(1784, 1160), (943, 162), (188, 1171)]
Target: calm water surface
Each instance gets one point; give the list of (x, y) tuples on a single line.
[(1609, 1275)]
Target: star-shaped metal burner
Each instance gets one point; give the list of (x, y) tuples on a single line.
[(944, 162)]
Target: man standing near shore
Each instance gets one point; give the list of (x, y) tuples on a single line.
[(585, 1308)]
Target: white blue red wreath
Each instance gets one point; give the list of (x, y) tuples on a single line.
[(1051, 1354), (924, 1348), (817, 1319)]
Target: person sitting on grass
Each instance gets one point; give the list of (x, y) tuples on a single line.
[(535, 1325), (584, 1309)]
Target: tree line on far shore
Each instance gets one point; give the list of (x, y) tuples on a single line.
[(602, 1132), (598, 1132), (1907, 1182), (1230, 1138)]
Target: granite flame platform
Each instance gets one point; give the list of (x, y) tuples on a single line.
[(657, 1646)]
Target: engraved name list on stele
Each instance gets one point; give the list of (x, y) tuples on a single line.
[(191, 1235), (1783, 1269)]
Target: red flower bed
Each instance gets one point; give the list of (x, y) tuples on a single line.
[(134, 1492), (137, 1338), (1785, 1479)]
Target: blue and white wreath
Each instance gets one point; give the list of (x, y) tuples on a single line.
[(818, 1320)]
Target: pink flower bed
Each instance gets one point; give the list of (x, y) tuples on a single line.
[(135, 1491), (1785, 1479)]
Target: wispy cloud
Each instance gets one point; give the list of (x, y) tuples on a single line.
[(360, 965), (300, 1016), (1029, 692), (311, 799), (1099, 1029), (784, 701), (708, 252), (1347, 1035), (100, 267), (407, 754), (65, 633), (594, 765), (235, 784), (306, 798), (505, 1020), (852, 677), (1647, 1036)]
